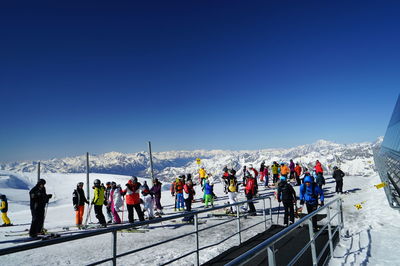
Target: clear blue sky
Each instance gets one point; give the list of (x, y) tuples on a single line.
[(108, 76)]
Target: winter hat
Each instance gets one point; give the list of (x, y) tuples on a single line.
[(3, 197), (283, 178), (41, 182), (308, 179), (250, 166), (134, 178)]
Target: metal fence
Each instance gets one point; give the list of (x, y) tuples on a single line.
[(268, 245), (114, 229)]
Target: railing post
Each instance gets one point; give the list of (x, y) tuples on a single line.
[(265, 217), (270, 209), (330, 231), (238, 224), (340, 215), (196, 226), (313, 250), (271, 256), (114, 248)]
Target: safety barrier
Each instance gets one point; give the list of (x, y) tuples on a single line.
[(113, 230), (268, 245)]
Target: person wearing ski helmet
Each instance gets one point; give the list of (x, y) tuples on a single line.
[(287, 196), (132, 198), (4, 210), (233, 189), (115, 201), (38, 201), (251, 191), (79, 200), (309, 194), (98, 201)]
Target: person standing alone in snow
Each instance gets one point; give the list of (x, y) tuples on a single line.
[(4, 210), (38, 202), (79, 200), (338, 176)]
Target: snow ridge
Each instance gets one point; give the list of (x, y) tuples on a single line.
[(355, 159)]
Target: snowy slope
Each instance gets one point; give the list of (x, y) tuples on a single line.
[(369, 234), (354, 159)]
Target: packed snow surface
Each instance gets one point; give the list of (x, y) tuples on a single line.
[(369, 233)]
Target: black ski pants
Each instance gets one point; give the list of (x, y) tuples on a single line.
[(98, 210), (289, 211), (339, 186), (37, 221), (252, 209), (138, 211), (275, 178), (310, 209), (188, 204)]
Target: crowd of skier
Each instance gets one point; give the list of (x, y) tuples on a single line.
[(280, 177)]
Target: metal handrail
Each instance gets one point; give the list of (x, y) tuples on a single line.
[(114, 229), (268, 244)]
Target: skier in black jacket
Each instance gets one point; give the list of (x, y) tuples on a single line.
[(79, 200), (338, 176), (38, 202), (287, 195)]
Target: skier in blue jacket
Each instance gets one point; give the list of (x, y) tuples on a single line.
[(309, 193)]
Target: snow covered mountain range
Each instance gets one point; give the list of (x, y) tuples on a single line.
[(354, 159)]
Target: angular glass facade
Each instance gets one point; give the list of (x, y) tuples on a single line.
[(387, 159)]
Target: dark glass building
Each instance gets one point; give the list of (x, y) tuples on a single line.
[(387, 158)]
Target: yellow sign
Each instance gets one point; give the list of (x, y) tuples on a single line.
[(359, 206), (198, 161), (381, 185)]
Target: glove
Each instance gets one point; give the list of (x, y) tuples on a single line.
[(301, 202), (279, 200), (75, 207), (322, 203), (49, 196), (92, 203)]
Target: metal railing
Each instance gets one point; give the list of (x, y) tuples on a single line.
[(268, 245), (114, 229)]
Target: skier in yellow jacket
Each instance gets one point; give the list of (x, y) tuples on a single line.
[(4, 210)]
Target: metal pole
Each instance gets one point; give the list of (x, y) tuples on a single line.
[(151, 161), (238, 223), (313, 250), (196, 225), (265, 217), (87, 177), (340, 216), (330, 231), (114, 248), (271, 256), (38, 172)]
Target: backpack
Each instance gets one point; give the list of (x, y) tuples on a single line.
[(250, 186), (313, 195), (232, 186)]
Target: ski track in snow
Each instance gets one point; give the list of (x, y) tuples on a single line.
[(367, 237)]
